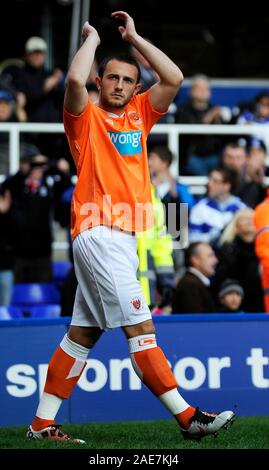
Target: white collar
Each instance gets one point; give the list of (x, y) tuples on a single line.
[(113, 115), (200, 275)]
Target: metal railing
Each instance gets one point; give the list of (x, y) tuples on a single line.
[(197, 184), (172, 131)]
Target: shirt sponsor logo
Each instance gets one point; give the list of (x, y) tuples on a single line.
[(127, 143)]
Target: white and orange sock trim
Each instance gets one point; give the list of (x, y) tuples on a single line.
[(151, 366), (65, 369)]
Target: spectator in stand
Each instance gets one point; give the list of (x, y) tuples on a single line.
[(44, 92), (250, 167), (58, 177), (211, 214), (31, 218), (169, 190), (238, 260), (258, 112), (193, 294), (43, 88), (251, 188), (10, 111), (15, 112), (199, 154), (234, 156), (172, 193), (230, 296)]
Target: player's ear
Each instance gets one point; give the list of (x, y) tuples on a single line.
[(137, 88), (98, 82)]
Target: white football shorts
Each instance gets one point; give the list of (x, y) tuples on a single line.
[(109, 294)]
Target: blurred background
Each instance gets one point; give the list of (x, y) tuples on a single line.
[(222, 41)]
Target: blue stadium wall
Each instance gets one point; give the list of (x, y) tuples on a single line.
[(227, 93), (220, 361)]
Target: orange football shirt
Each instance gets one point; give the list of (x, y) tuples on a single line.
[(110, 154)]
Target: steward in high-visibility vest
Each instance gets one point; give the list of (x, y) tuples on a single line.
[(156, 267), (261, 221)]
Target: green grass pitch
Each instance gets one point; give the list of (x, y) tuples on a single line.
[(245, 433)]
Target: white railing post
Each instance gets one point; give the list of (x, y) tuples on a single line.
[(14, 149), (173, 144)]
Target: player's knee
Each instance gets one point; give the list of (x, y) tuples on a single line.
[(85, 336)]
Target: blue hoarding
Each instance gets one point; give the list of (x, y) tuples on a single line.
[(220, 362)]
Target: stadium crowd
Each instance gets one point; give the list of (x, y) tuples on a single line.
[(218, 270)]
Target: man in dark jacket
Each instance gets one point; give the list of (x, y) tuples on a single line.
[(42, 88), (199, 154), (31, 221), (193, 294)]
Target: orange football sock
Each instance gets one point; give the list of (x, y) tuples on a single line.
[(183, 418), (152, 367), (63, 373), (40, 423), (156, 373)]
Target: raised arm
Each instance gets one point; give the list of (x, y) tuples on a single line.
[(76, 95), (170, 76)]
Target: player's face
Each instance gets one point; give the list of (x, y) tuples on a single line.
[(118, 85)]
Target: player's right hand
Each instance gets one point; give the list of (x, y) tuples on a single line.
[(127, 31), (88, 30)]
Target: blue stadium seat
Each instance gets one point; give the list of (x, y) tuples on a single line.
[(10, 312), (25, 295), (60, 269), (45, 311)]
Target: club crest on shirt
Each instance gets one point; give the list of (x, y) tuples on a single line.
[(137, 304), (134, 117)]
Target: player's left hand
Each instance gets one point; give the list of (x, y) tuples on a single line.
[(127, 31), (88, 30)]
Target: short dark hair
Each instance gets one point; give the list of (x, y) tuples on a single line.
[(262, 94), (229, 175), (191, 251), (121, 58), (235, 144), (164, 153)]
